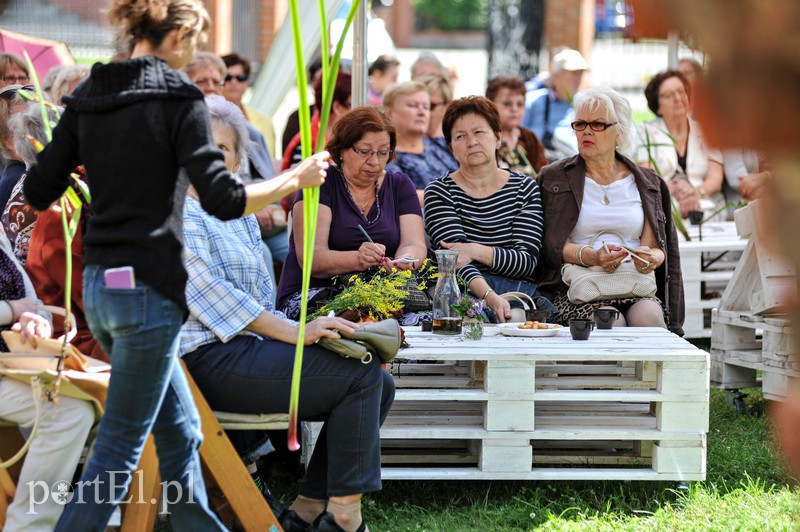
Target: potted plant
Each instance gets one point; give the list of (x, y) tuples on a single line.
[(375, 298)]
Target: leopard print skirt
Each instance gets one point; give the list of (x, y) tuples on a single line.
[(570, 311)]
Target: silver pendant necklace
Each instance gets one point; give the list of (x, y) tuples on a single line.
[(605, 200)]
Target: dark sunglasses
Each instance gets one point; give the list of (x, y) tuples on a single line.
[(9, 93), (241, 78)]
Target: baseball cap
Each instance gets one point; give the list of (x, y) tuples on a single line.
[(570, 60)]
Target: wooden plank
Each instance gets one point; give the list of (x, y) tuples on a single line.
[(627, 395), (547, 474)]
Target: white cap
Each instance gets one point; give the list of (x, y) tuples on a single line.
[(570, 60)]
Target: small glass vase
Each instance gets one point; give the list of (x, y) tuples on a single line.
[(472, 329)]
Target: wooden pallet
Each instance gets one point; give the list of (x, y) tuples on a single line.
[(627, 404), (750, 334)]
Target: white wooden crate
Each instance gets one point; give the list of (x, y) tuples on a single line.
[(627, 404)]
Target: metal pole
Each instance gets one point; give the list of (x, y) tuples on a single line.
[(672, 50), (358, 95)]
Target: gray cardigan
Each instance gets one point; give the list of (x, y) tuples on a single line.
[(561, 186)]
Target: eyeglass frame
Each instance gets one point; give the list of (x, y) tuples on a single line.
[(8, 95), (12, 80), (590, 125), (366, 154)]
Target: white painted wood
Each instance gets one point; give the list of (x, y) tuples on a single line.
[(509, 416), (679, 460), (508, 377), (682, 417), (555, 473), (505, 455)]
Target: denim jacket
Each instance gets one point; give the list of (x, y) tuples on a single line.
[(561, 186)]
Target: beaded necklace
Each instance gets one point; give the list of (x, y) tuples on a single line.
[(363, 208)]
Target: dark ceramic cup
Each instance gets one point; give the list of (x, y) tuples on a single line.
[(695, 217), (580, 329), (604, 317), (537, 314)]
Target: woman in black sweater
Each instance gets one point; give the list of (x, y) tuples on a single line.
[(142, 131)]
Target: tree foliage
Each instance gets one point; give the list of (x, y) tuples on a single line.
[(451, 15)]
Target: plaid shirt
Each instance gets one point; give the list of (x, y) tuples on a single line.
[(228, 283)]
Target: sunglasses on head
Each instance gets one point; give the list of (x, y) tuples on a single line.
[(10, 92), (241, 78)]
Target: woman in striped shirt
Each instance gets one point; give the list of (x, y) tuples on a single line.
[(491, 216)]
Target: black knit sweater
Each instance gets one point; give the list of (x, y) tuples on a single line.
[(142, 131)]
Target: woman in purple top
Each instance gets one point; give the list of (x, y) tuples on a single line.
[(357, 192)]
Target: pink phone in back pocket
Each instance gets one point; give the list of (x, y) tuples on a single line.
[(120, 278)]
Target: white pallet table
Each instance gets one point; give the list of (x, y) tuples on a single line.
[(630, 403), (748, 332), (721, 244)]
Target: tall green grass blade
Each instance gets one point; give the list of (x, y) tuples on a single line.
[(310, 196), (48, 131)]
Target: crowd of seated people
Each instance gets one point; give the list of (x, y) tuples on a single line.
[(416, 171)]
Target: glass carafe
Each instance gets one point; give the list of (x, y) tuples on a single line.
[(445, 318)]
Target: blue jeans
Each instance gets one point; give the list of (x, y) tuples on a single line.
[(502, 285), (253, 375), (139, 329)]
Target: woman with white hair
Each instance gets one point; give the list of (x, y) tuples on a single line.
[(598, 201), (67, 81)]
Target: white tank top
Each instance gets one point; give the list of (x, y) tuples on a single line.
[(624, 213)]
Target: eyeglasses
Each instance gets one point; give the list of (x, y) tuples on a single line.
[(208, 81), (383, 155), (434, 105), (18, 79), (680, 93), (597, 125), (241, 78)]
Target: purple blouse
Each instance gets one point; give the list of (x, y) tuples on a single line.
[(396, 197)]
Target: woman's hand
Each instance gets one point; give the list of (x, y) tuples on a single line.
[(651, 256), (32, 326), (370, 255), (19, 306), (686, 195), (311, 171), (751, 185), (326, 328), (500, 307), (611, 259), (467, 252)]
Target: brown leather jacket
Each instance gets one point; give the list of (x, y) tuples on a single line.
[(561, 186)]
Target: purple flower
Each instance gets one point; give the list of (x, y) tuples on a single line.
[(470, 313)]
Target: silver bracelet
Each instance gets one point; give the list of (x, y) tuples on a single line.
[(580, 255), (489, 291)]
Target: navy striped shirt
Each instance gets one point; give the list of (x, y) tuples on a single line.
[(510, 221)]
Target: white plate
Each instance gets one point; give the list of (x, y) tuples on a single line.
[(512, 329)]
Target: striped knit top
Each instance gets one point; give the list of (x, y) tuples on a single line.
[(510, 221)]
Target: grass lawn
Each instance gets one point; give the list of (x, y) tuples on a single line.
[(745, 490)]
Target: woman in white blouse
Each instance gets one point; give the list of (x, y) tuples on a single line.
[(673, 146)]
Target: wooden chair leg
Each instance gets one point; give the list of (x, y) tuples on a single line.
[(10, 442), (223, 463), (144, 493)]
